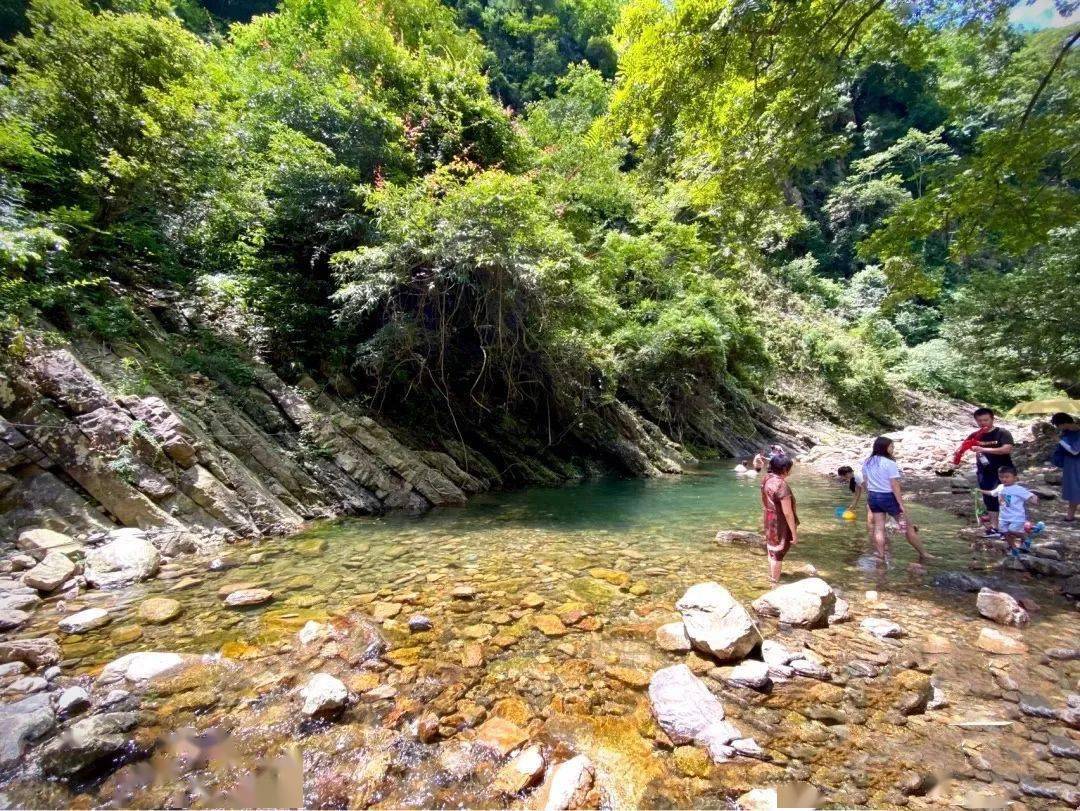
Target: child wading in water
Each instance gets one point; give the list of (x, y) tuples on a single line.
[(1013, 498), (884, 497)]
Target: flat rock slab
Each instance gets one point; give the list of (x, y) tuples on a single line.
[(40, 652), (52, 572), (993, 641), (500, 735)]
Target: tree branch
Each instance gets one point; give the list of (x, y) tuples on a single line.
[(1046, 79)]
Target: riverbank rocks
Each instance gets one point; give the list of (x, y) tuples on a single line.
[(87, 743), (39, 542), (567, 786), (688, 713), (323, 695), (52, 572), (72, 701), (1000, 607), (40, 652), (127, 558), (84, 621), (672, 637), (994, 641), (245, 597), (806, 603), (22, 722), (716, 623)]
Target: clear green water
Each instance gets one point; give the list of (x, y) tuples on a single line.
[(656, 535)]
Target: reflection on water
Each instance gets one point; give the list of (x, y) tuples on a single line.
[(567, 586)]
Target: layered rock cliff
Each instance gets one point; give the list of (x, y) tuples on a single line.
[(96, 435)]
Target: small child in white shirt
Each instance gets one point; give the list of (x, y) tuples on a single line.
[(1013, 496)]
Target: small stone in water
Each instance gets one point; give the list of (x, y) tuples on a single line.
[(500, 735), (521, 772), (323, 694), (463, 592), (549, 625), (532, 600), (311, 631), (472, 655), (159, 610), (123, 634), (246, 597), (84, 621), (12, 618), (881, 628), (419, 622)]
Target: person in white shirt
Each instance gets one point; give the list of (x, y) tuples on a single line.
[(1013, 498), (854, 480), (884, 497)]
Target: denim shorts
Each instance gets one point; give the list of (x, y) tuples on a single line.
[(884, 503)]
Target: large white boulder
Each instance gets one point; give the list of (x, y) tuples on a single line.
[(806, 603), (717, 623), (689, 713), (127, 558)]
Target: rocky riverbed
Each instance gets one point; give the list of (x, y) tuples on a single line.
[(578, 647)]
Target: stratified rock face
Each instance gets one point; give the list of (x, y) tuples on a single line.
[(62, 378), (1000, 607), (687, 711), (175, 438), (126, 559), (717, 623), (805, 603)]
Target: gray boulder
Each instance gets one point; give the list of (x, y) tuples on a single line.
[(1001, 608), (87, 744), (39, 542), (717, 623), (22, 722)]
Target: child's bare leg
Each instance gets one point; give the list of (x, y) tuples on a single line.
[(913, 538), (879, 535)]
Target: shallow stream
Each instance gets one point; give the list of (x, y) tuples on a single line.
[(558, 638)]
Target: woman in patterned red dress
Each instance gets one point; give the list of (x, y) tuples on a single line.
[(781, 520)]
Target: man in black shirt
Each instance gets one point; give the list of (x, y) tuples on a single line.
[(991, 454)]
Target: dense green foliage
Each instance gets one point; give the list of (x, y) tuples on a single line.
[(524, 208)]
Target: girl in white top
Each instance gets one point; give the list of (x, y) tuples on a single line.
[(884, 497)]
